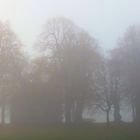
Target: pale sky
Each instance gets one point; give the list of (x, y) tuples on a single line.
[(106, 20)]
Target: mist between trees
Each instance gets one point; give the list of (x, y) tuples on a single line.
[(69, 75)]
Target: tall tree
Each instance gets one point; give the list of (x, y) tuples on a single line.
[(11, 60), (103, 96), (74, 54), (129, 55), (115, 84)]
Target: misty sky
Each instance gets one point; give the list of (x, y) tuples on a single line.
[(106, 20)]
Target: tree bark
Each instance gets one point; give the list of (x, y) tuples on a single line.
[(107, 117), (117, 116), (2, 114), (68, 108), (3, 100), (79, 112), (137, 108)]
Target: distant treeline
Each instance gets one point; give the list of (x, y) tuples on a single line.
[(69, 75)]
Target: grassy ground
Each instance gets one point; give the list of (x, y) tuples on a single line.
[(95, 132)]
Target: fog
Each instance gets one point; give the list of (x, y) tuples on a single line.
[(70, 68), (104, 19)]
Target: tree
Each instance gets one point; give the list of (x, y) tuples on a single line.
[(11, 61), (74, 54), (48, 91), (128, 51), (101, 99), (104, 94), (115, 84)]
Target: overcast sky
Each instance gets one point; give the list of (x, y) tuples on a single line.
[(106, 20)]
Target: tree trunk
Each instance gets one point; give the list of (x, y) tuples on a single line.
[(67, 113), (116, 105), (133, 112), (68, 108), (79, 111), (117, 116), (107, 117), (2, 114), (137, 108), (3, 100)]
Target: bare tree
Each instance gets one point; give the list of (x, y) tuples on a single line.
[(102, 97), (74, 54), (11, 60), (128, 51)]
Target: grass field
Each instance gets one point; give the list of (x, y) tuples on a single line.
[(95, 132)]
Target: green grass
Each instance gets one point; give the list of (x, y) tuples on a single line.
[(95, 132)]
